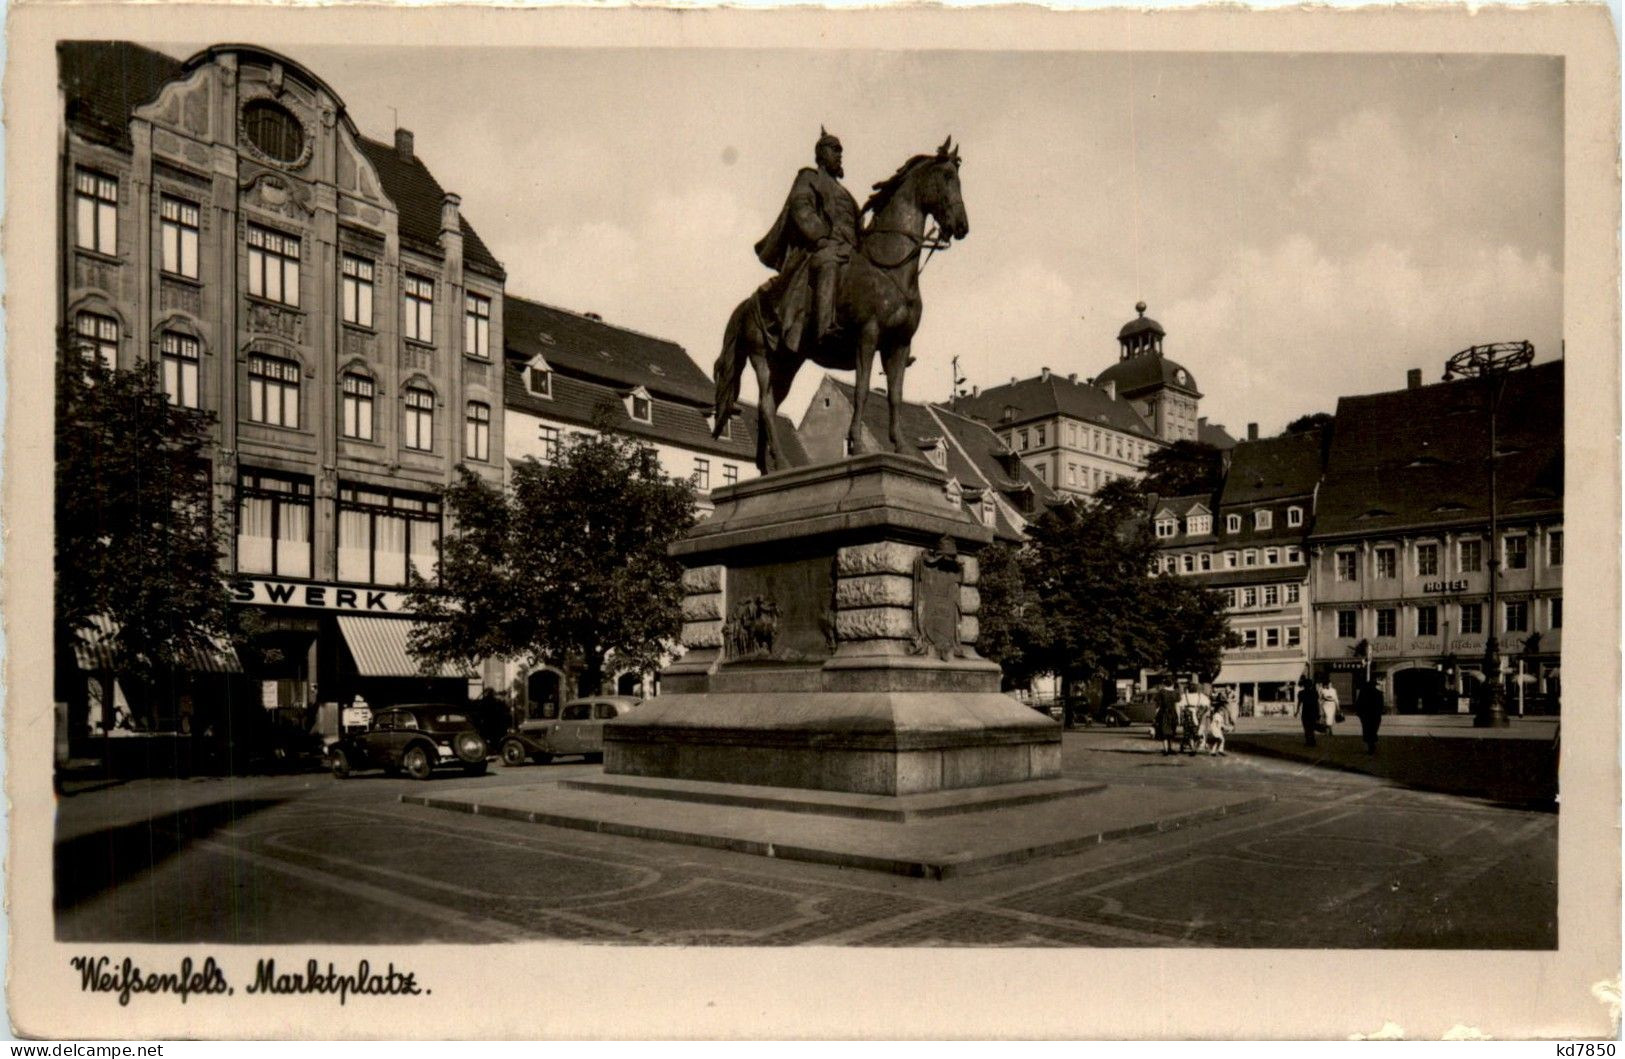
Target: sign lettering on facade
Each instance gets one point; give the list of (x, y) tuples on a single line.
[(318, 597), (1440, 587)]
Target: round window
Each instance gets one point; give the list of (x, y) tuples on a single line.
[(273, 130)]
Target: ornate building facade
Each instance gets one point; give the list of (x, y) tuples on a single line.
[(323, 296)]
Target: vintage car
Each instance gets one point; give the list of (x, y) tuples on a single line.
[(578, 728), (415, 740)]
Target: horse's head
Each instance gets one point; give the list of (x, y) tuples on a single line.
[(938, 190)]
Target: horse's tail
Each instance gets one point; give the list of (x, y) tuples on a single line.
[(729, 370)]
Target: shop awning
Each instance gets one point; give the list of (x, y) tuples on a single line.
[(378, 646), (1260, 673), (94, 651)]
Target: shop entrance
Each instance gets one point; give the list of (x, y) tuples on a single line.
[(1419, 691)]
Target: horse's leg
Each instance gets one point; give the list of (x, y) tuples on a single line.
[(767, 449), (785, 366), (868, 338), (896, 364)]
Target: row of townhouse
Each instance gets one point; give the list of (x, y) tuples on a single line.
[(1364, 548), (323, 296)]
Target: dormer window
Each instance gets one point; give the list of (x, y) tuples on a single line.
[(639, 406), (936, 452), (988, 510), (539, 377), (1167, 527), (1294, 516), (1232, 523), (1263, 520), (727, 431), (1199, 524)]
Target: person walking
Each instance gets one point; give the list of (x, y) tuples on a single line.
[(1329, 706), (1308, 709), (1193, 706), (1167, 716), (1369, 705)]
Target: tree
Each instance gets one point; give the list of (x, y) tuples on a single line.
[(1183, 469), (567, 567), (1308, 424), (1006, 613), (1195, 630), (138, 547)]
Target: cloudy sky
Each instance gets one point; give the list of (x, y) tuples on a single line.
[(1302, 226)]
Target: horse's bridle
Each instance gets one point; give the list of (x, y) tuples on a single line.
[(931, 241)]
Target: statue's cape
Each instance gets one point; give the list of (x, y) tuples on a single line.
[(780, 241)]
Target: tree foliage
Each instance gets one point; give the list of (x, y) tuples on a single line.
[(1307, 424), (1184, 468), (1079, 600), (568, 567), (138, 546)]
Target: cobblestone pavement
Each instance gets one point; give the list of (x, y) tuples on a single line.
[(1339, 860)]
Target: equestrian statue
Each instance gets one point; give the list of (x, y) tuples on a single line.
[(845, 290)]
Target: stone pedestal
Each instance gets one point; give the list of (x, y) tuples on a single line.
[(830, 617)]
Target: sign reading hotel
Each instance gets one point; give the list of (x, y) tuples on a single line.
[(318, 597), (1439, 587)]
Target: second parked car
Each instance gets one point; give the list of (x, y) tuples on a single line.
[(577, 729)]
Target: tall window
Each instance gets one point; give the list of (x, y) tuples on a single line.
[(381, 533), (273, 524), (1249, 597), (702, 473), (549, 437), (1021, 439), (358, 406), (477, 431), (1187, 563), (1347, 625), (1249, 557), (1427, 620), (1205, 562), (1387, 621), (1348, 566), (273, 265), (1472, 619), (1294, 516), (477, 326), (1557, 612), (180, 363), (98, 338), (1289, 593), (1272, 595), (96, 212), (1517, 615), (539, 381), (417, 429), (418, 294), (1232, 523), (1038, 437), (1516, 551), (1427, 560), (273, 391), (178, 231), (358, 290), (642, 409), (1554, 548), (1471, 556), (1387, 563)]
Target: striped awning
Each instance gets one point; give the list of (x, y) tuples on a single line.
[(378, 646), (94, 651)]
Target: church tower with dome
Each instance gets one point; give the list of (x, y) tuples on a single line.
[(1162, 391)]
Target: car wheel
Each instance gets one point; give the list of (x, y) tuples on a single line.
[(340, 764), (513, 753), (476, 769), (417, 763)]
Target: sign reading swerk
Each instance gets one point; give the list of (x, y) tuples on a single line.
[(319, 597)]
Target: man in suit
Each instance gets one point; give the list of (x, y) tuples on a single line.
[(815, 234)]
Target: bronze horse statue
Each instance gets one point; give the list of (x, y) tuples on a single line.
[(877, 307)]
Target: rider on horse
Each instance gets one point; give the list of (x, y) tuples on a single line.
[(814, 236)]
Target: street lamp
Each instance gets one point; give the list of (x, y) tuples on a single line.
[(1491, 364)]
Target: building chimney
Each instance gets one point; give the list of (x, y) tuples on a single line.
[(1043, 373), (1111, 390), (449, 217), (1252, 431), (403, 144), (1413, 379), (1014, 380), (974, 390), (1072, 376)]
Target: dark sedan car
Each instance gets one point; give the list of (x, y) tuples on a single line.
[(414, 740)]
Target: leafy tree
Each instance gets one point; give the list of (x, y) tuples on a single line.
[(1194, 628), (1183, 469), (1306, 424), (137, 543), (1006, 613), (567, 567)]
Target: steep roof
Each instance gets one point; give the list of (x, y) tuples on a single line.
[(589, 348), (417, 195), (1272, 469), (103, 82), (678, 423), (1040, 397), (1214, 434), (1145, 370), (1416, 457)]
